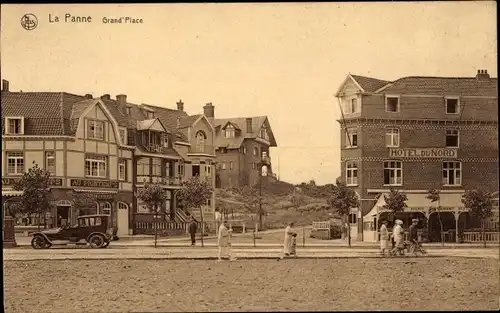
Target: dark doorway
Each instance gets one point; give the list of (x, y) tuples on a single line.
[(196, 170), (62, 217)]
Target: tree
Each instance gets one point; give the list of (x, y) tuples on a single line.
[(342, 200), (480, 204), (84, 203), (195, 193), (36, 193), (296, 198), (253, 202), (434, 196), (395, 202), (153, 196)]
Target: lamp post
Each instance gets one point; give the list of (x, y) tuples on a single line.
[(260, 164)]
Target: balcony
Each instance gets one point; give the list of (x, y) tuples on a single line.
[(169, 180), (266, 160), (202, 150), (155, 148)]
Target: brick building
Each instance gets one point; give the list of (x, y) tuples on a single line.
[(414, 134), (104, 149), (242, 148)]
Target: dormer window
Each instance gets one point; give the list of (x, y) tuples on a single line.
[(129, 110), (15, 125), (392, 104), (151, 115), (229, 131), (123, 135), (95, 130), (165, 141)]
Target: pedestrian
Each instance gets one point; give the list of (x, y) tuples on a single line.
[(218, 218), (224, 241), (384, 237), (398, 234), (413, 235), (287, 244), (193, 227)]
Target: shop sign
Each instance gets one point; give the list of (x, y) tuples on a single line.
[(12, 181), (423, 153), (94, 183)]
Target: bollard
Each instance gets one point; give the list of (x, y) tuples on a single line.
[(303, 237), (254, 238)]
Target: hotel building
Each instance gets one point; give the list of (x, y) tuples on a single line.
[(414, 134)]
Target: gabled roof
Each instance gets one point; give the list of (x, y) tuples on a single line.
[(45, 113), (369, 84), (235, 143), (188, 121)]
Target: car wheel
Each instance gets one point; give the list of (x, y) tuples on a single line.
[(96, 241), (106, 244), (39, 242)]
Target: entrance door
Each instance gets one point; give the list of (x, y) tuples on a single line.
[(63, 215), (122, 219)]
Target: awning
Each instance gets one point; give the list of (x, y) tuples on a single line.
[(11, 193), (417, 202)]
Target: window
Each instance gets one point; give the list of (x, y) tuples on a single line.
[(15, 125), (50, 162), (392, 104), (208, 170), (200, 141), (156, 167), (452, 138), (229, 131), (352, 218), (255, 151), (122, 169), (150, 115), (452, 174), (95, 130), (165, 141), (123, 136), (95, 165), (351, 106), (180, 169), (129, 111), (143, 167), (122, 206), (223, 165), (392, 137), (263, 133), (393, 173), (15, 163), (244, 150), (351, 140), (231, 166), (106, 208), (142, 207), (452, 105), (352, 173), (253, 165)]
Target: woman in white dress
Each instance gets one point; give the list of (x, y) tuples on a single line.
[(287, 244), (224, 241), (398, 234)]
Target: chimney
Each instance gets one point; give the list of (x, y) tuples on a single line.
[(88, 96), (180, 105), (209, 111), (122, 99), (178, 122), (249, 124), (482, 75), (106, 97), (5, 85)]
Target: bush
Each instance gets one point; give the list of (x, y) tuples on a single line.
[(335, 233)]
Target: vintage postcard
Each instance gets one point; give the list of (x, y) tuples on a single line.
[(207, 157)]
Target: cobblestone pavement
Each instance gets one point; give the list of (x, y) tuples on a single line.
[(91, 286), (211, 252)]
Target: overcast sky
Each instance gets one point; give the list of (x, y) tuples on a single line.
[(283, 60)]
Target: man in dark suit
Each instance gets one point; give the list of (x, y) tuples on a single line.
[(193, 227)]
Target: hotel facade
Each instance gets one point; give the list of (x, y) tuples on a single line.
[(415, 134), (102, 150)]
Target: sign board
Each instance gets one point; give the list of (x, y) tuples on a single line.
[(423, 153), (12, 181), (94, 183)]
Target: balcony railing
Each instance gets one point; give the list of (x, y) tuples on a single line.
[(170, 180), (155, 148), (202, 149), (266, 159)]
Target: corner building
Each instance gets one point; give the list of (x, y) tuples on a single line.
[(415, 134)]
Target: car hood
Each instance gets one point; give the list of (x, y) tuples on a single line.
[(51, 231)]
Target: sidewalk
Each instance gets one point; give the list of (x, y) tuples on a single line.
[(146, 253)]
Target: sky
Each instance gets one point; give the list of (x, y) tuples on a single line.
[(283, 60)]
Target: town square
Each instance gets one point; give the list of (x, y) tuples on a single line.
[(250, 157)]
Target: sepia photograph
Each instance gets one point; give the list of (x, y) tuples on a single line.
[(250, 157)]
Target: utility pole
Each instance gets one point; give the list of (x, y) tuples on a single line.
[(260, 194)]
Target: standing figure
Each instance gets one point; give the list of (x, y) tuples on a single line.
[(218, 218), (287, 244), (224, 241), (398, 234), (193, 227), (384, 237), (413, 234)]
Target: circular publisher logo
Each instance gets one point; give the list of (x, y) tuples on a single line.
[(29, 21)]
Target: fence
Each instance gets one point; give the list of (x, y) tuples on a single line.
[(163, 227), (477, 236)]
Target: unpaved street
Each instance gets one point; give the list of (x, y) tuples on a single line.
[(251, 285)]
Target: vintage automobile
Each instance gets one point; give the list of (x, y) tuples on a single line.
[(94, 230)]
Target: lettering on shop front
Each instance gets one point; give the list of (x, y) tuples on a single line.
[(94, 183), (423, 153), (12, 181)]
